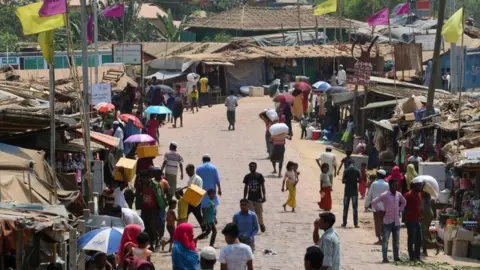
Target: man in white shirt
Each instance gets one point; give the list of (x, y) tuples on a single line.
[(118, 133), (341, 76), (171, 165), (194, 179), (376, 189), (128, 216), (329, 158), (236, 255), (231, 103)]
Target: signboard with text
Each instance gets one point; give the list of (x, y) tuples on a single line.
[(101, 92), (129, 54)]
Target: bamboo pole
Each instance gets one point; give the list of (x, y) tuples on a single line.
[(462, 63)]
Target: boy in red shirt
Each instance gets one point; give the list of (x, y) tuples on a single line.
[(413, 213)]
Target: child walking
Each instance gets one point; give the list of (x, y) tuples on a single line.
[(291, 179), (325, 189), (182, 211), (171, 219), (209, 215), (142, 251)]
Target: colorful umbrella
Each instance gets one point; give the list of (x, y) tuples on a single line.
[(106, 240), (158, 110), (140, 138), (104, 107), (320, 86), (284, 98), (303, 86), (126, 117)]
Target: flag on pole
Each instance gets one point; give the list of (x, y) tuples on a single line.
[(404, 9), (32, 23), (325, 7), (45, 40), (382, 17), (115, 11), (53, 7), (452, 29), (90, 28)]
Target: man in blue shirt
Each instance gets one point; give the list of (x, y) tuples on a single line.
[(209, 174), (247, 223)]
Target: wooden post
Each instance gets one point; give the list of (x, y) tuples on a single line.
[(365, 98), (72, 251), (19, 234)]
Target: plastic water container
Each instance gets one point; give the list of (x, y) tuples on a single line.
[(444, 196), (310, 132)]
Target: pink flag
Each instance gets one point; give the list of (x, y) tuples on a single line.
[(90, 28), (114, 11), (404, 9), (380, 18), (52, 7)]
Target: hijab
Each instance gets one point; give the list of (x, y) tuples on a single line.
[(184, 234), (411, 173), (129, 237), (396, 174)]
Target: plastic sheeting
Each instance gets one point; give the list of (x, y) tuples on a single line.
[(291, 39), (245, 73)]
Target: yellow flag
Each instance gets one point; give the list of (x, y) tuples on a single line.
[(45, 40), (452, 30), (328, 6), (32, 23)]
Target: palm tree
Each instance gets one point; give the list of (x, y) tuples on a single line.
[(167, 29)]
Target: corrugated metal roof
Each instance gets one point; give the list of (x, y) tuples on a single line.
[(162, 49)]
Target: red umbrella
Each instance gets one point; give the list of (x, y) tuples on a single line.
[(303, 86), (284, 98), (104, 107), (125, 117)]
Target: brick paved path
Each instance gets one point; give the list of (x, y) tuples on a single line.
[(288, 234)]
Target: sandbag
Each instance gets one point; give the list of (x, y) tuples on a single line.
[(431, 185), (411, 105), (193, 77), (245, 90), (278, 129), (272, 115)]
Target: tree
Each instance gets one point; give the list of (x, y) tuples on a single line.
[(9, 42), (167, 28)]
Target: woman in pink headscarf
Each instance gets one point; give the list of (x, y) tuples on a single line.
[(184, 253), (396, 174), (128, 241)]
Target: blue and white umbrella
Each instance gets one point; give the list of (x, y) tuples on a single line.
[(106, 240), (158, 110), (321, 86)]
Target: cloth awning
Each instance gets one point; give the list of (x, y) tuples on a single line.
[(382, 124), (103, 139), (165, 75), (218, 63)]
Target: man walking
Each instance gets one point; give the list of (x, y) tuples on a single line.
[(254, 191), (376, 189), (231, 103), (236, 255), (247, 223), (413, 214), (204, 91), (351, 178), (173, 161), (211, 180), (394, 203), (194, 179), (329, 243)]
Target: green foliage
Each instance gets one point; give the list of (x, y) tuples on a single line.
[(167, 29), (220, 37), (9, 42), (362, 9)]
